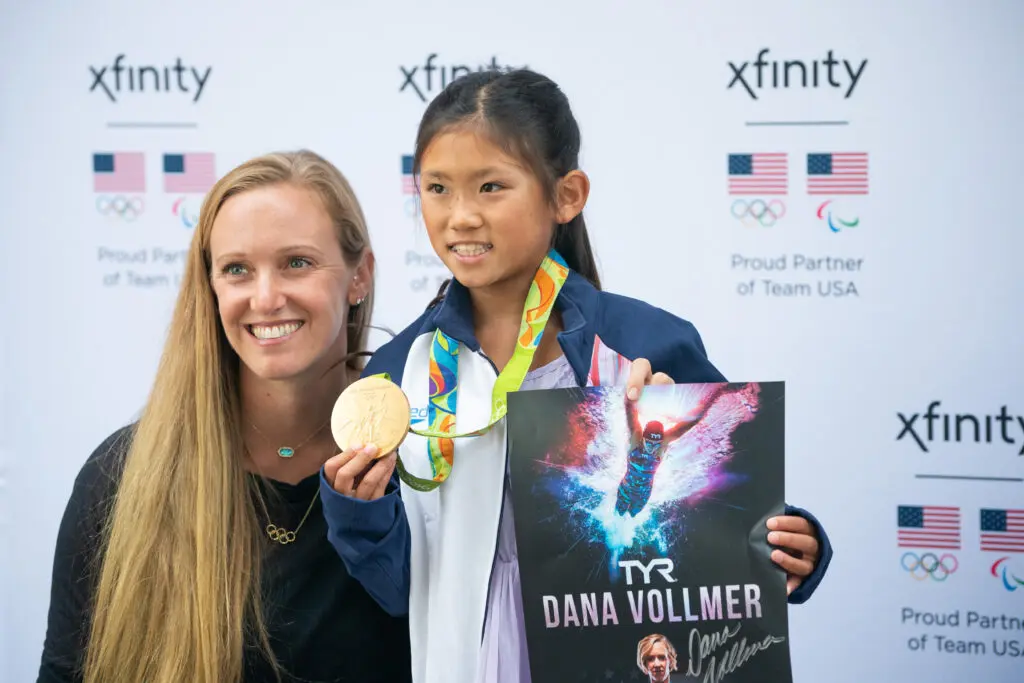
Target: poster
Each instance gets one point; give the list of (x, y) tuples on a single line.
[(641, 532)]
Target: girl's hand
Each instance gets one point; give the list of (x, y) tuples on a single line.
[(357, 474), (797, 548), (640, 375)]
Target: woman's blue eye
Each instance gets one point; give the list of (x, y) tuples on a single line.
[(298, 262), (234, 269)]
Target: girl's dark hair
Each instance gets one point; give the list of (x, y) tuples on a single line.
[(528, 115)]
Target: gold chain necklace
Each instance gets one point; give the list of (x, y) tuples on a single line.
[(279, 534), (289, 451)]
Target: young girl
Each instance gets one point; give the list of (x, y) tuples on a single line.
[(502, 199)]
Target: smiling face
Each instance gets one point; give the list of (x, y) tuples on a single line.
[(283, 288), (486, 213)]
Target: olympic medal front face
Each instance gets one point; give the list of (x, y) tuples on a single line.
[(372, 410)]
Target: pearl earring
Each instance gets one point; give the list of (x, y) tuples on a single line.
[(355, 280)]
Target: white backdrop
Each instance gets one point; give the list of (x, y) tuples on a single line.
[(936, 315)]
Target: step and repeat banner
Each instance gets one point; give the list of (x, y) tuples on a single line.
[(829, 191)]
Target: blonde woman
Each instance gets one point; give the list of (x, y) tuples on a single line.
[(656, 658), (193, 547)]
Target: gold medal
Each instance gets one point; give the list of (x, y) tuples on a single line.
[(371, 410)]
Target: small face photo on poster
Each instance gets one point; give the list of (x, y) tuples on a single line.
[(656, 658)]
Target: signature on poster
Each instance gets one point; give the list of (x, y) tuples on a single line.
[(702, 647)]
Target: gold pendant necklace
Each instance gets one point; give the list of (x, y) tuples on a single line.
[(279, 534)]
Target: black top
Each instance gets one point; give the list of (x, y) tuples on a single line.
[(323, 625)]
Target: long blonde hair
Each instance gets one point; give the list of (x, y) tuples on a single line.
[(178, 594)]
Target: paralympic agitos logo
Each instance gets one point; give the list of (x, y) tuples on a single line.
[(117, 78), (754, 77), (924, 429)]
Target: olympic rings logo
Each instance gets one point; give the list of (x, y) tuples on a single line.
[(929, 565), (758, 211), (120, 207), (280, 535)]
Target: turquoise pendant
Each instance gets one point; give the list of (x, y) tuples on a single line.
[(285, 452)]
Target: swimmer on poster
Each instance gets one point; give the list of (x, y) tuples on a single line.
[(647, 449)]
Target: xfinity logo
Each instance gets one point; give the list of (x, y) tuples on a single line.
[(930, 426), (424, 79), (115, 79), (795, 73)]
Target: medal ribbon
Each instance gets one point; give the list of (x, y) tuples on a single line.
[(444, 375)]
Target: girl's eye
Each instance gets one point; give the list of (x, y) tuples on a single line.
[(298, 262), (490, 187), (435, 188)]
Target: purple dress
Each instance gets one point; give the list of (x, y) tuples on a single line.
[(503, 656)]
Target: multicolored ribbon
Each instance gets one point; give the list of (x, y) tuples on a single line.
[(444, 375)]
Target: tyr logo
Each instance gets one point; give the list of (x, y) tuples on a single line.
[(662, 564)]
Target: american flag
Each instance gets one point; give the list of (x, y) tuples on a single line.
[(119, 172), (187, 173), (837, 173), (1002, 530), (762, 173), (929, 526), (408, 180)]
